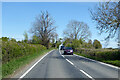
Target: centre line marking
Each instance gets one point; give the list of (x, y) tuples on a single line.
[(78, 68), (70, 62), (87, 75)]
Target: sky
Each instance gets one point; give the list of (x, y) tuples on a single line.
[(17, 17)]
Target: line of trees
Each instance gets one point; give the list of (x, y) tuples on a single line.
[(81, 43), (44, 29), (44, 32), (75, 35)]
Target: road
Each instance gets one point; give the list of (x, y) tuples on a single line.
[(55, 65)]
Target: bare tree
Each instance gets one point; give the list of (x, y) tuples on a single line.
[(77, 30), (44, 28), (106, 16)]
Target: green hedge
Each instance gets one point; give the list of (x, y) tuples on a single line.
[(101, 54), (13, 50)]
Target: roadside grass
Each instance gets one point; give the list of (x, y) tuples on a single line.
[(113, 62), (10, 67)]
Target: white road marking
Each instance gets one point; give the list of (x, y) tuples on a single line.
[(63, 56), (109, 65), (70, 62), (78, 68), (34, 65), (99, 62), (81, 70), (87, 75)]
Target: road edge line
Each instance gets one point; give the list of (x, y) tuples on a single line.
[(99, 62), (34, 65)]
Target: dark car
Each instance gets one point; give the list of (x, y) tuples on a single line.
[(68, 51)]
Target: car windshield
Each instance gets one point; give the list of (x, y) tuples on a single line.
[(68, 48)]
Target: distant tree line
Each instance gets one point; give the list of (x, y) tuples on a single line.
[(81, 43), (75, 34)]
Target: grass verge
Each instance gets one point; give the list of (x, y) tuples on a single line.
[(10, 67), (113, 62)]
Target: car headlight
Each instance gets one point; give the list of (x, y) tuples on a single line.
[(71, 50)]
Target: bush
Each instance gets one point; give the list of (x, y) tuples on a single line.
[(103, 54), (12, 50), (68, 45), (75, 44)]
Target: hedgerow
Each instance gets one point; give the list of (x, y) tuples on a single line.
[(13, 50), (101, 54)]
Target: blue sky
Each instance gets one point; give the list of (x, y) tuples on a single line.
[(18, 17)]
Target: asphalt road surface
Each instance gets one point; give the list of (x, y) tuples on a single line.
[(55, 65)]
